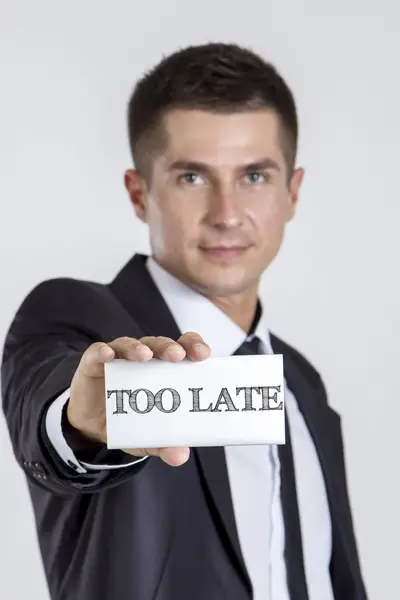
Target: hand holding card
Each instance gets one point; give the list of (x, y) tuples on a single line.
[(86, 407)]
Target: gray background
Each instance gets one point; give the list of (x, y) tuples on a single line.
[(67, 69)]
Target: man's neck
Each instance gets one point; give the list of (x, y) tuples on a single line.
[(240, 308)]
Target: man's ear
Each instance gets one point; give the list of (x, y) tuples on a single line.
[(294, 191), (138, 193)]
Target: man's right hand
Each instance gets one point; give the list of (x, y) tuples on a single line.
[(86, 409)]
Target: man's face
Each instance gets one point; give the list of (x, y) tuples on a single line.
[(219, 199)]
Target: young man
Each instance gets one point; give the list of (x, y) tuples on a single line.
[(213, 132)]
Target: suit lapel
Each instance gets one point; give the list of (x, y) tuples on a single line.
[(140, 297), (138, 294), (324, 427), (213, 470)]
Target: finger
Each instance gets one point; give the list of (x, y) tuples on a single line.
[(93, 359), (164, 348), (130, 349), (174, 457), (194, 345)]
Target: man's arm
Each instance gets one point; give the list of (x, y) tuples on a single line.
[(42, 350), (52, 346)]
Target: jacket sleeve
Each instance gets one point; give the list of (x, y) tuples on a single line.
[(73, 448), (55, 324)]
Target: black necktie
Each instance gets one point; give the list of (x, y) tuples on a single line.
[(293, 545)]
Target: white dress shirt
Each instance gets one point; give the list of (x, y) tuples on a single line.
[(254, 471)]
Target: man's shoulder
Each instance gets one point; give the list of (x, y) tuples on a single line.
[(65, 300), (304, 365), (65, 290), (78, 292), (73, 310)]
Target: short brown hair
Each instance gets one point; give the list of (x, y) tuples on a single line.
[(215, 77)]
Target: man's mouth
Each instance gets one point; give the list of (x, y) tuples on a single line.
[(224, 253)]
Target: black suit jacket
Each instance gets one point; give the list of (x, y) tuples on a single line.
[(150, 531)]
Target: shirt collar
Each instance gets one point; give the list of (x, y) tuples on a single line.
[(194, 312)]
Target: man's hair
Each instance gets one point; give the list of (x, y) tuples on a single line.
[(215, 77)]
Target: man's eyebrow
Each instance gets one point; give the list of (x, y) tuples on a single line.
[(262, 165), (200, 167), (189, 165)]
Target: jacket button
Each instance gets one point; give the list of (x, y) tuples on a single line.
[(39, 467)]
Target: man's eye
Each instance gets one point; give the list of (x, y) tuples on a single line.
[(255, 177), (190, 178)]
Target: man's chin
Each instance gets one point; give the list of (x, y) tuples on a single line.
[(223, 282)]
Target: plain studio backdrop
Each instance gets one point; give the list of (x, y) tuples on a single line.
[(67, 70)]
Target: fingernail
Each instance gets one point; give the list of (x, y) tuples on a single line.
[(200, 347), (142, 348), (175, 348)]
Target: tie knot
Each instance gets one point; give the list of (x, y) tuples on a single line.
[(252, 346)]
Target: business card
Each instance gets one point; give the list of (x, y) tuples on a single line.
[(237, 400)]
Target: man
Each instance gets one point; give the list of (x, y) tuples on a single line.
[(213, 133)]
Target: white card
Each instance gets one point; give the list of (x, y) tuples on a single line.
[(216, 402)]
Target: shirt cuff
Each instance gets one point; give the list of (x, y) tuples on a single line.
[(57, 439)]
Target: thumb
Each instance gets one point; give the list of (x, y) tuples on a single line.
[(92, 361)]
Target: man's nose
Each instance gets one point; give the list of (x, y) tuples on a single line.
[(225, 210)]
